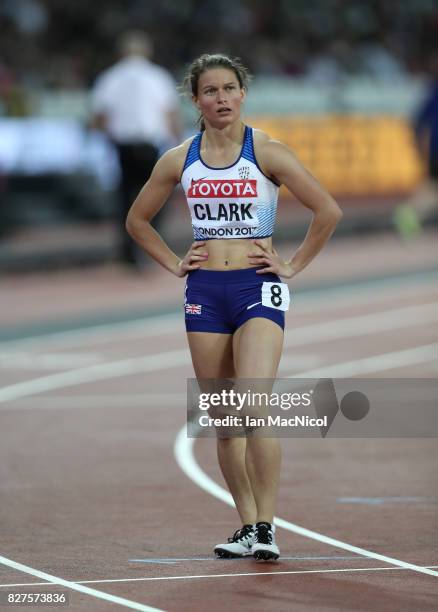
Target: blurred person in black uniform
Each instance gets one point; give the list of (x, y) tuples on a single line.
[(136, 103)]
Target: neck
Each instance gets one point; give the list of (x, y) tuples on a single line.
[(221, 138)]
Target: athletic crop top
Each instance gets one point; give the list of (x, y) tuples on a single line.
[(237, 201)]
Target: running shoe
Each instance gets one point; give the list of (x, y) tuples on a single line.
[(238, 546), (264, 547)]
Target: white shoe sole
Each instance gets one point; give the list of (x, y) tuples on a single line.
[(223, 553)]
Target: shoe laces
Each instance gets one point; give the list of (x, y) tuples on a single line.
[(242, 534), (263, 533)]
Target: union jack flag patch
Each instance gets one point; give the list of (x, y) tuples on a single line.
[(193, 308)]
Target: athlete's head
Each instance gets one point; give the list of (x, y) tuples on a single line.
[(218, 85)]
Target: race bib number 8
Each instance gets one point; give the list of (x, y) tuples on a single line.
[(276, 295)]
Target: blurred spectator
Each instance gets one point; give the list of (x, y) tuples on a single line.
[(135, 101), (29, 16), (409, 216), (13, 98), (325, 64), (59, 43), (379, 61)]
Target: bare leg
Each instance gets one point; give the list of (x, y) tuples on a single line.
[(212, 356), (231, 453), (257, 350)]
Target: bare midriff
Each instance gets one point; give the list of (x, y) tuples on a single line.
[(231, 254)]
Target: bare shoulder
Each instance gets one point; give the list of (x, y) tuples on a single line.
[(171, 163), (275, 157), (264, 144), (268, 152), (260, 137)]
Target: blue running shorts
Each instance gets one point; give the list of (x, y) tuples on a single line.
[(221, 301)]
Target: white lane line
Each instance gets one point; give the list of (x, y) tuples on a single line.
[(185, 458), (13, 360), (107, 332), (75, 586), (343, 328), (102, 371), (334, 299), (150, 363), (60, 402), (376, 363), (189, 577), (362, 325), (183, 450)]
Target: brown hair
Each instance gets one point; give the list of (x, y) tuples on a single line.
[(206, 62)]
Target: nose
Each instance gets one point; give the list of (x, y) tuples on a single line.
[(221, 96)]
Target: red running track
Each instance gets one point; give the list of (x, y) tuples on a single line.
[(92, 493)]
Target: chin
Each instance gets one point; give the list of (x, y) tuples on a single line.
[(224, 121)]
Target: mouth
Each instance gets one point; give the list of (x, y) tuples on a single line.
[(224, 110)]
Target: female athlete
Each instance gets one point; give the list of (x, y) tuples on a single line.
[(235, 300)]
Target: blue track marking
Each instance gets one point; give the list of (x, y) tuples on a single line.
[(377, 501)]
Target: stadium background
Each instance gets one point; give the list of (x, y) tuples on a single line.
[(338, 81)]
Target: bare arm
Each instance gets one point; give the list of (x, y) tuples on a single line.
[(149, 201), (279, 162)]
